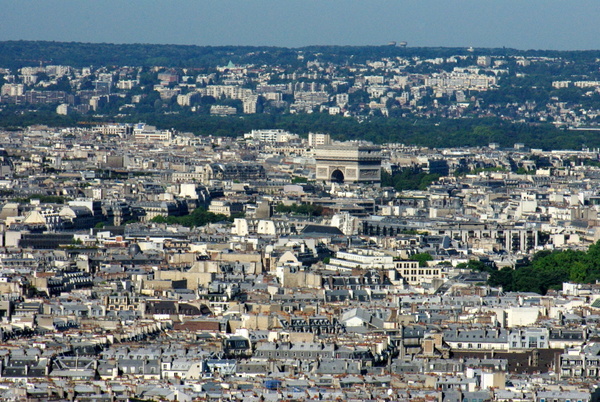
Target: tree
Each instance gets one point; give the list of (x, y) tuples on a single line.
[(549, 269), (475, 265), (299, 209), (503, 277), (159, 219), (198, 217), (422, 258)]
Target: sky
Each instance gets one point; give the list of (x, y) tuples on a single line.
[(520, 24)]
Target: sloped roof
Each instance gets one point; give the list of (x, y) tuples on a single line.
[(322, 229)]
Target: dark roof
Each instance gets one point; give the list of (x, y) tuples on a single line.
[(322, 229)]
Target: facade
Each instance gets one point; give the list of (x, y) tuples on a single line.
[(271, 136), (529, 338), (146, 133), (349, 164), (318, 140), (225, 207), (362, 259), (222, 110), (120, 129), (415, 275), (250, 104)]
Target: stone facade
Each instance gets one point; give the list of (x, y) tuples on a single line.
[(349, 164)]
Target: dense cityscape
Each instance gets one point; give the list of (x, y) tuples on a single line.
[(381, 94), (227, 232)]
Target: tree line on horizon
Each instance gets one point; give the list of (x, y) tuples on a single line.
[(16, 54)]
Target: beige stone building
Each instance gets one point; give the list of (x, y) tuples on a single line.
[(348, 163)]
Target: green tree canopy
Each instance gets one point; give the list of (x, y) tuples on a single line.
[(199, 217), (422, 258)]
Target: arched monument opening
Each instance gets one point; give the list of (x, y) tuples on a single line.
[(337, 176)]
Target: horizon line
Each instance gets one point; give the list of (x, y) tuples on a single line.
[(474, 48)]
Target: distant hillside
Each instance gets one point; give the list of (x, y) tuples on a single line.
[(16, 54)]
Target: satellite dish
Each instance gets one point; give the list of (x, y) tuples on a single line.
[(389, 392)]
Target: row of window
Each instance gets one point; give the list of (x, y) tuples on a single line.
[(528, 345), (427, 272), (278, 354)]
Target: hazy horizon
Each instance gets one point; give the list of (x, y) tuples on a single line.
[(536, 24)]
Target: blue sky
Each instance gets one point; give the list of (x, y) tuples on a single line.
[(522, 24)]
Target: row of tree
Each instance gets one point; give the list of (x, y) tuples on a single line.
[(421, 132), (299, 209), (198, 217), (14, 54)]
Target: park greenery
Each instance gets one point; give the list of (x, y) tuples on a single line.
[(299, 180), (422, 258), (299, 209), (431, 133), (408, 179), (547, 270), (43, 198), (463, 172), (198, 217)]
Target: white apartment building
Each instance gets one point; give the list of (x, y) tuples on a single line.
[(222, 110), (147, 133), (229, 91), (250, 104), (63, 109), (317, 139), (246, 226), (484, 61), (127, 84), (362, 259), (587, 84), (119, 129), (271, 136), (341, 99), (12, 89), (457, 80)]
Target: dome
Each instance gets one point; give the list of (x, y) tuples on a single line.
[(134, 249)]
